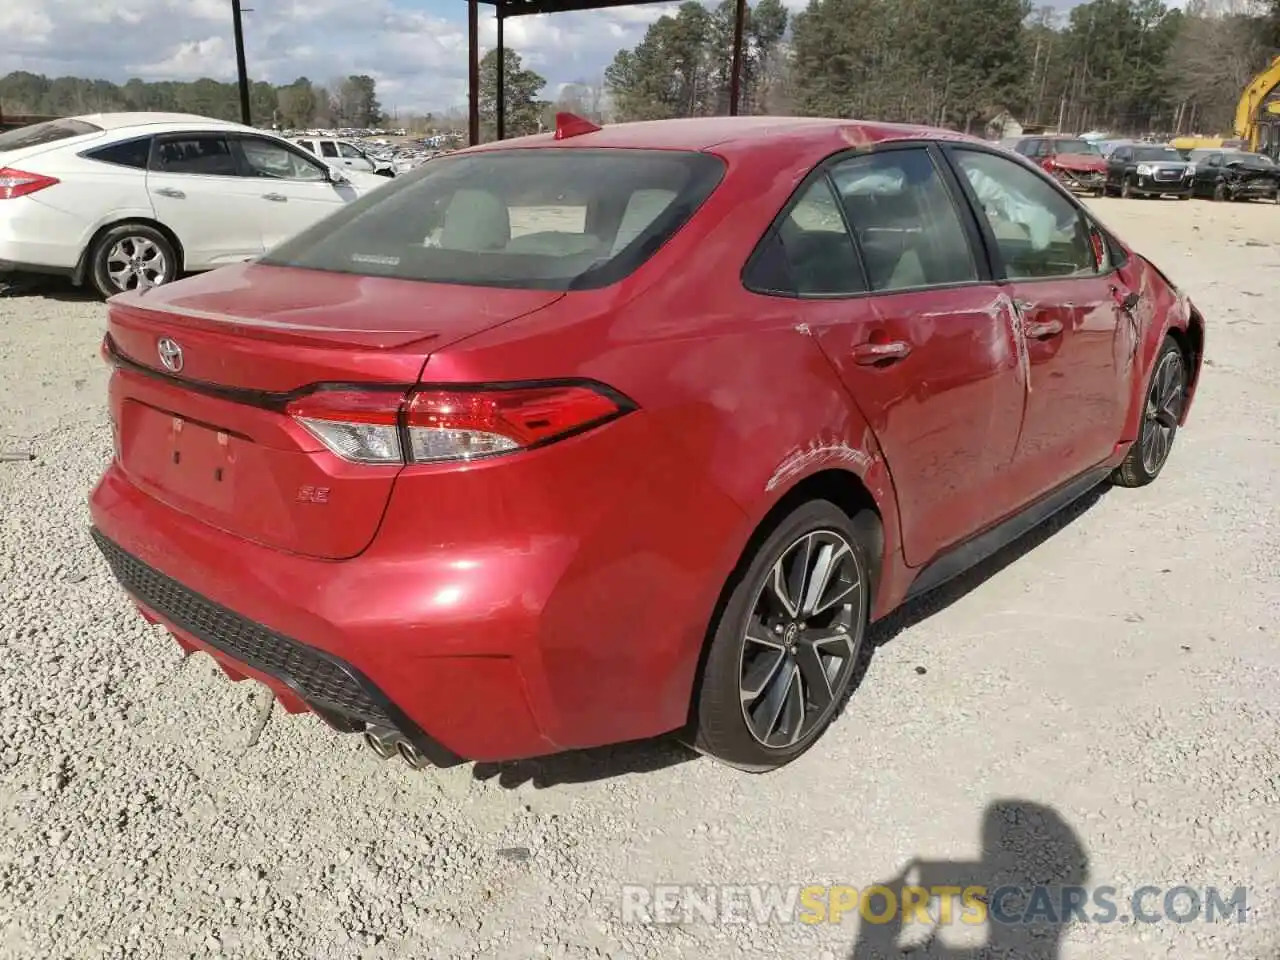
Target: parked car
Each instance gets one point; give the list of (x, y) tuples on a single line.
[(132, 200), (1149, 170), (1074, 162), (481, 476), (347, 155), (1108, 147), (1235, 175)]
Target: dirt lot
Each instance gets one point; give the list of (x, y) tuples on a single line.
[(1099, 708)]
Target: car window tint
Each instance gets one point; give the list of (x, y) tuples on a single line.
[(328, 148), (131, 153), (1039, 232), (904, 220), (39, 134), (265, 158), (208, 154), (348, 151), (308, 145), (527, 218), (809, 252)]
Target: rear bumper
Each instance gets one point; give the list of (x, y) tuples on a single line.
[(499, 613), (36, 238)]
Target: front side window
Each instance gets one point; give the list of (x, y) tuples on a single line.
[(555, 219), (1038, 232), (809, 253), (205, 154), (266, 158), (904, 221)]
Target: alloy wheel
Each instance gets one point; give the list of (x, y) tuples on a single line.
[(1164, 407), (136, 263), (803, 636)]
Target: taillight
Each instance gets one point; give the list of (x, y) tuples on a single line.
[(19, 183), (362, 426), (458, 424)]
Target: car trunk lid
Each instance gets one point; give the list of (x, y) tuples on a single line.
[(208, 432)]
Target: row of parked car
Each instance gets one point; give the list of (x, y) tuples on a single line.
[(1129, 168)]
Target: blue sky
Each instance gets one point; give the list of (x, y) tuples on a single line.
[(416, 49)]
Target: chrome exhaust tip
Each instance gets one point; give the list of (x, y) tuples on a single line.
[(409, 753), (381, 742)]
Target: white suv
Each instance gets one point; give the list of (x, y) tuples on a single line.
[(129, 200), (345, 154)]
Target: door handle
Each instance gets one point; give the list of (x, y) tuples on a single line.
[(869, 354), (275, 197), (1127, 301), (171, 193), (1043, 330)]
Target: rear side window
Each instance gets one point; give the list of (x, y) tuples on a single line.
[(131, 153), (308, 145), (906, 226), (328, 148), (39, 134), (809, 252), (553, 219), (207, 154)]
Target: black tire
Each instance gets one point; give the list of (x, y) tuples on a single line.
[(731, 725), (1163, 403), (155, 262), (1219, 192), (1126, 188)]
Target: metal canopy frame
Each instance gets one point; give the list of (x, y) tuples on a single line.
[(505, 9)]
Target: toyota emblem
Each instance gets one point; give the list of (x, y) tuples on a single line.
[(170, 355)]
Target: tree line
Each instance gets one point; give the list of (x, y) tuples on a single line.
[(1131, 66), (345, 102)]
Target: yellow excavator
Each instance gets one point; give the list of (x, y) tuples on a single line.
[(1258, 112), (1257, 124)]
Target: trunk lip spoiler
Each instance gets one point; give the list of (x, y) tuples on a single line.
[(278, 400)]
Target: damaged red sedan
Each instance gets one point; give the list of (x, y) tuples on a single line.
[(591, 436)]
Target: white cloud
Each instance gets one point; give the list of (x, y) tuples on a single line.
[(416, 49)]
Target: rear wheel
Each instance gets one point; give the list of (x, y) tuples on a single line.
[(788, 643), (131, 256), (1162, 409)]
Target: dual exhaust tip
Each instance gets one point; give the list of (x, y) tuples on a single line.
[(387, 743)]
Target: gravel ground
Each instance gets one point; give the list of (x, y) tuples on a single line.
[(1100, 706)]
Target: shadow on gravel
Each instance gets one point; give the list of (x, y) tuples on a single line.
[(649, 756), (587, 766), (1032, 870), (937, 600), (15, 287)]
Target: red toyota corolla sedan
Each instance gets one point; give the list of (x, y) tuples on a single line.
[(586, 437)]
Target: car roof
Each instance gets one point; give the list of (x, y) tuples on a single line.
[(731, 135), (120, 121)]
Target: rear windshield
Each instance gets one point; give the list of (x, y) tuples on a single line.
[(51, 131), (553, 219), (1156, 153), (1073, 146)]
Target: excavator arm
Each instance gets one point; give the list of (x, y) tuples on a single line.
[(1251, 101)]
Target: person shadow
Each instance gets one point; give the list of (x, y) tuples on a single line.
[(1032, 870)]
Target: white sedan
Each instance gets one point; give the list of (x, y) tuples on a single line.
[(129, 200)]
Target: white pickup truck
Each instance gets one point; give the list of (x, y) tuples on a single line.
[(346, 155)]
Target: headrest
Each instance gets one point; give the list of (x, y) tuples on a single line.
[(475, 220)]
